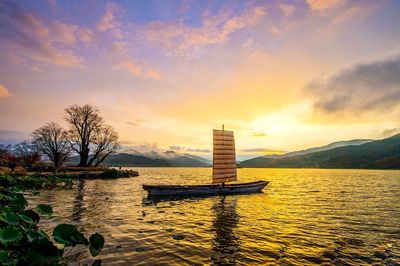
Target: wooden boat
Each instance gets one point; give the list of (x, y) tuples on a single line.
[(224, 170)]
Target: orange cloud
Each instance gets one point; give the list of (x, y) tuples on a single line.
[(151, 73), (178, 37), (322, 5), (4, 92), (109, 21), (39, 41), (287, 10), (85, 35), (137, 69)]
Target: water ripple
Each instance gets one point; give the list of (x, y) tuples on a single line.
[(304, 217)]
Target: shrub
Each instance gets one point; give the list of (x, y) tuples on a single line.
[(110, 173)]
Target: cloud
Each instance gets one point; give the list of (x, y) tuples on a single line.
[(259, 134), (138, 69), (85, 35), (179, 38), (109, 21), (151, 73), (323, 5), (130, 66), (4, 92), (37, 40), (361, 88), (132, 123), (199, 150), (176, 148), (287, 10), (390, 132), (344, 16)]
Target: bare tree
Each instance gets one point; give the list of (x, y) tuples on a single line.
[(27, 153), (105, 143), (84, 121), (52, 140), (4, 152)]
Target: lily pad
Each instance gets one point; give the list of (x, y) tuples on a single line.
[(96, 243), (4, 256), (44, 209), (25, 219), (178, 237), (43, 252), (9, 217), (18, 202), (33, 215), (68, 235), (10, 234), (34, 235), (4, 197)]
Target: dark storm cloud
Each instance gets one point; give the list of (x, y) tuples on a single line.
[(363, 87)]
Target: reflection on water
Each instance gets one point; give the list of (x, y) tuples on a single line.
[(225, 244), (78, 200), (304, 217)]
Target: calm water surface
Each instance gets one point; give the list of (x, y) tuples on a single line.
[(304, 217)]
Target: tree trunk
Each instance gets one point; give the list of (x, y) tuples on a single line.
[(84, 156)]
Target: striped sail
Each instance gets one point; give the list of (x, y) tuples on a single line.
[(224, 157)]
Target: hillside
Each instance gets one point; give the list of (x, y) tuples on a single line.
[(380, 154), (354, 142), (152, 159), (125, 159)]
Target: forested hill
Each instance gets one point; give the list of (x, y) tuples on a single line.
[(153, 159), (379, 154)]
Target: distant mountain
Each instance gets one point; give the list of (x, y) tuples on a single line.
[(153, 158), (183, 160), (125, 159), (353, 142), (379, 154)]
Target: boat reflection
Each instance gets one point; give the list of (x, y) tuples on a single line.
[(225, 244)]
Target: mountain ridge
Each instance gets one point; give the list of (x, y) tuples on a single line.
[(378, 154)]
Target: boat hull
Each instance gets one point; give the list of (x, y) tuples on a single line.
[(199, 190)]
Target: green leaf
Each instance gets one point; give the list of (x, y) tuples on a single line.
[(25, 219), (4, 256), (9, 217), (44, 209), (18, 202), (5, 197), (33, 235), (68, 235), (43, 252), (32, 215), (6, 259), (10, 234), (96, 243)]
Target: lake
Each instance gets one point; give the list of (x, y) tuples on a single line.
[(303, 217)]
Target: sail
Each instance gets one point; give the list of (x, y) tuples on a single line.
[(224, 156)]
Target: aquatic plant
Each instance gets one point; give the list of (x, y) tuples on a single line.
[(22, 242)]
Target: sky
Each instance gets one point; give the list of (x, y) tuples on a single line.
[(283, 75)]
